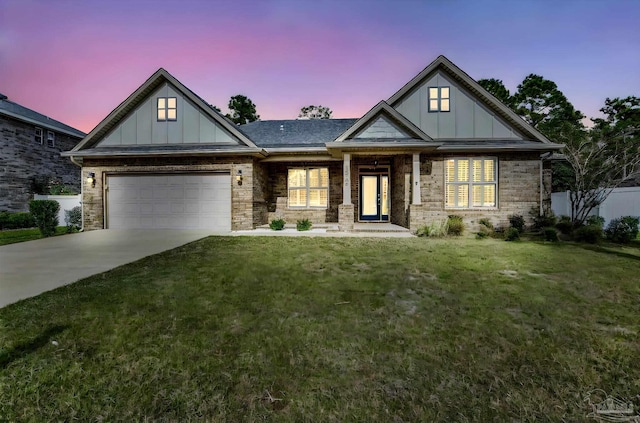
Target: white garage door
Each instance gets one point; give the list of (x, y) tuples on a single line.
[(185, 201)]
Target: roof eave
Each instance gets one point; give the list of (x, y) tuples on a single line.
[(256, 152), (78, 135)]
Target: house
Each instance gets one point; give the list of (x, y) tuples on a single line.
[(31, 144), (441, 145)]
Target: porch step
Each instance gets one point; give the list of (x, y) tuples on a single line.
[(378, 227)]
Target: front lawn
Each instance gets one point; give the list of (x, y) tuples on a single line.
[(330, 330), (11, 236)]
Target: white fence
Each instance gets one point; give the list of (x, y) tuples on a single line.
[(621, 202), (67, 202)]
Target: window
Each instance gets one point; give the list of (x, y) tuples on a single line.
[(38, 135), (308, 187), (439, 99), (167, 108), (471, 182), (51, 139)]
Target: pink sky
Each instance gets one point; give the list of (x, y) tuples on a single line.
[(75, 61)]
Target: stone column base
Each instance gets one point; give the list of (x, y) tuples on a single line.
[(346, 215)]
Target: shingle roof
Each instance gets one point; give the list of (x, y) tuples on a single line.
[(15, 110), (303, 132)]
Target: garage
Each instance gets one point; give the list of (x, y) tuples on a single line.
[(175, 201)]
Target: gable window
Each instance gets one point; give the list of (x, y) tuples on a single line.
[(167, 109), (439, 99), (51, 139), (38, 135), (471, 182), (308, 188)]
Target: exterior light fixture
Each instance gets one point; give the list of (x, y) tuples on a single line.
[(239, 177), (91, 179)]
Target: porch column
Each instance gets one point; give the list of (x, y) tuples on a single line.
[(415, 198), (346, 179)]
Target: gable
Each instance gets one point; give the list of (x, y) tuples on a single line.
[(469, 116), (192, 126), (382, 128)]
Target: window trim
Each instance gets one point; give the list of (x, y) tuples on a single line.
[(51, 139), (38, 135), (308, 188), (166, 109), (439, 98), (470, 184)]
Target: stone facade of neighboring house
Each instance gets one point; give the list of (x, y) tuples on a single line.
[(439, 146), (30, 147)]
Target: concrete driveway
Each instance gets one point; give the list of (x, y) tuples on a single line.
[(31, 268)]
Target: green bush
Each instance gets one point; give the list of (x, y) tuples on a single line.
[(57, 188), (277, 224), (303, 225), (486, 222), (622, 230), (17, 220), (512, 234), (517, 222), (436, 229), (596, 220), (45, 213), (482, 235), (544, 221), (550, 234), (73, 219), (564, 225), (588, 233), (455, 225)]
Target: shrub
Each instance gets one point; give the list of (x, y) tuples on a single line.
[(544, 221), (486, 223), (436, 229), (455, 225), (517, 222), (277, 224), (596, 220), (303, 225), (45, 213), (622, 230), (588, 233), (550, 234), (512, 234), (17, 220), (57, 188), (482, 235), (73, 218), (565, 225)]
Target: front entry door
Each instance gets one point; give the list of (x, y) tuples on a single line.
[(374, 197)]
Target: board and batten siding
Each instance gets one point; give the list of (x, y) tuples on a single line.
[(382, 127), (192, 126), (467, 118)]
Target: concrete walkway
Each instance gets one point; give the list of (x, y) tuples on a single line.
[(30, 268)]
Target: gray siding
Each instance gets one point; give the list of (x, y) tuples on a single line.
[(382, 127), (192, 126), (467, 118)]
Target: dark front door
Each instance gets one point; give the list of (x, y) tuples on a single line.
[(374, 196)]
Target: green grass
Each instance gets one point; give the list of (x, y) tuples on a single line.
[(22, 235), (330, 330)]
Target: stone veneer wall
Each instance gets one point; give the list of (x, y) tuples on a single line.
[(23, 158), (277, 200), (242, 212), (518, 191), (261, 193)]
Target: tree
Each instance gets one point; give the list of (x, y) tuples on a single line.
[(242, 110), (497, 88), (621, 126), (315, 112), (598, 164), (543, 105)]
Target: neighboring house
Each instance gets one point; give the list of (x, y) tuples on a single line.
[(31, 144), (441, 145)]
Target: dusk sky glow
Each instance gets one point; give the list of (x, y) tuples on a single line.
[(75, 61)]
